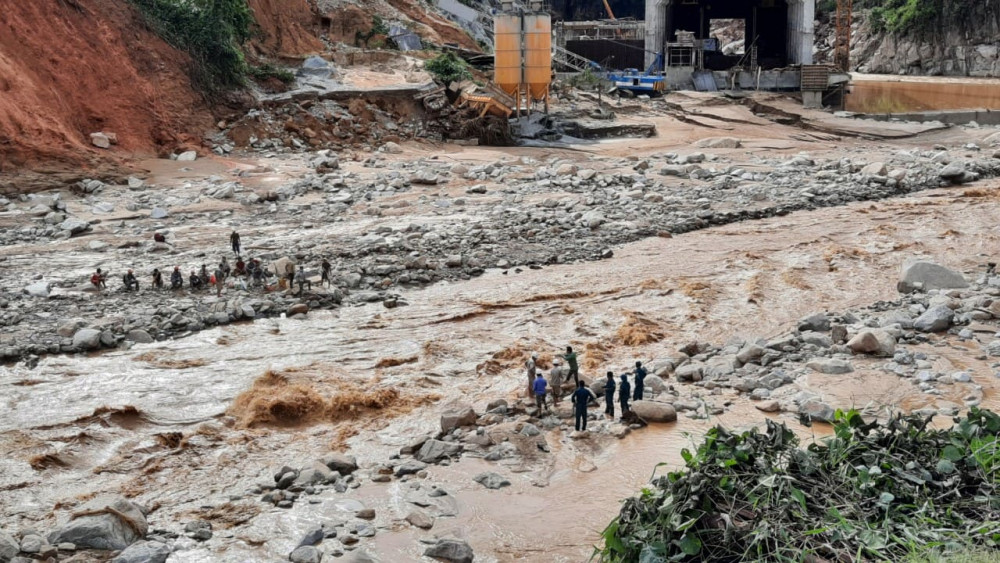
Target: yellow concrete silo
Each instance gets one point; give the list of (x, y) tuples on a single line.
[(538, 55), (507, 64)]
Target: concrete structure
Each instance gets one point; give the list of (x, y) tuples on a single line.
[(779, 33)]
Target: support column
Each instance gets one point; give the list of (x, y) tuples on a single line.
[(801, 14), (656, 28)]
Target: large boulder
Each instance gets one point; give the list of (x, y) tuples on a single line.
[(655, 384), (830, 366), (87, 339), (653, 411), (8, 548), (873, 341), (456, 551), (38, 289), (935, 319), (925, 276), (306, 554), (144, 552), (74, 226), (456, 417), (718, 143), (815, 323), (690, 372), (110, 523), (434, 451), (341, 463), (817, 410)]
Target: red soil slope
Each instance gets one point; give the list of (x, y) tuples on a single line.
[(69, 68), (288, 28)]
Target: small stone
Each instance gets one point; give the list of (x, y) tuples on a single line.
[(306, 554), (420, 519), (456, 551), (491, 480)]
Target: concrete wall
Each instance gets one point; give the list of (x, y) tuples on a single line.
[(801, 15)]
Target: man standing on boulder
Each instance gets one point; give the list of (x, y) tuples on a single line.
[(640, 378), (234, 239), (581, 398), (531, 369), (539, 389), (624, 394), (609, 395), (327, 279), (574, 369)]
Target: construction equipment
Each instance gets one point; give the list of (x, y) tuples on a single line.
[(607, 8), (648, 82), (842, 46), (571, 60)]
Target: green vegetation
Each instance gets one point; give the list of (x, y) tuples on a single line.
[(893, 491), (916, 16), (378, 28), (268, 71), (447, 68), (586, 80), (211, 31)]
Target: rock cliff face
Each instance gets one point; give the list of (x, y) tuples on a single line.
[(966, 43)]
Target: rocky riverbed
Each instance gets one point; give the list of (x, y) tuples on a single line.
[(392, 426)]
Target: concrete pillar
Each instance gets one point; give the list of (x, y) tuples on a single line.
[(812, 100), (656, 28), (801, 14)]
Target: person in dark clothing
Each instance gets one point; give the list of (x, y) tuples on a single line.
[(176, 278), (539, 387), (290, 274), (204, 275), (624, 394), (234, 240), (195, 280), (640, 378), (574, 368), (609, 395), (327, 277), (157, 278), (241, 267), (226, 269), (158, 237), (581, 398), (130, 282), (304, 281)]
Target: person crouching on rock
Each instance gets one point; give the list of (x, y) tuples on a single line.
[(131, 284), (195, 280), (540, 389), (176, 278), (98, 280), (157, 278), (609, 395), (581, 398)]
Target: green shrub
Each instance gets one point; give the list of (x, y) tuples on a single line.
[(881, 491), (211, 31), (447, 68), (268, 71)]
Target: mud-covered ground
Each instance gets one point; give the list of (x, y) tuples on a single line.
[(195, 428)]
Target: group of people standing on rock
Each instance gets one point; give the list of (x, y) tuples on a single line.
[(249, 273), (581, 397)]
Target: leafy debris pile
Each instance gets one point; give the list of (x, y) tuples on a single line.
[(872, 491)]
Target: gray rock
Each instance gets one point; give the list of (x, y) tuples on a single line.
[(158, 213), (434, 451), (816, 339), (874, 341), (306, 554), (87, 339), (654, 411), (817, 410), (143, 552), (954, 172), (100, 140), (655, 384), (341, 463), (410, 467), (875, 169), (768, 406), (38, 289), (32, 544), (718, 143), (457, 416), (200, 530), (690, 372), (816, 323), (935, 319), (831, 366), (139, 336), (420, 519), (187, 156), (315, 473), (456, 551), (925, 276), (74, 226), (101, 528), (69, 328), (8, 548), (750, 353), (491, 480)]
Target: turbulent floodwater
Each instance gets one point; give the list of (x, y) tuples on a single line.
[(747, 280)]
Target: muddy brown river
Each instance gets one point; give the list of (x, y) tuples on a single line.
[(747, 280)]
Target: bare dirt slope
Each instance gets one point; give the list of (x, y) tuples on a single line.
[(69, 68), (287, 28)]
